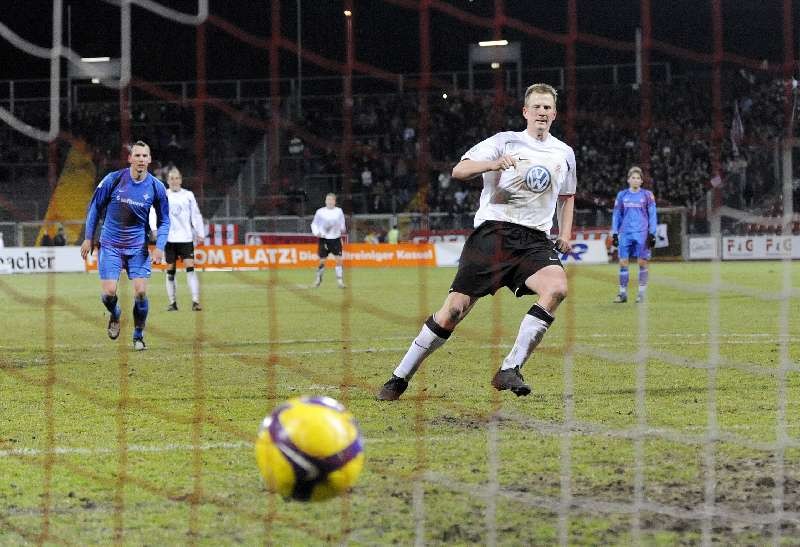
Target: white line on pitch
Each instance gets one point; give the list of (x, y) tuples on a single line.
[(142, 448)]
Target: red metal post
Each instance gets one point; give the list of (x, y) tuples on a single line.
[(788, 69), (572, 87), (716, 98), (200, 116), (423, 157), (275, 102), (646, 91), (347, 110), (124, 123), (499, 83)]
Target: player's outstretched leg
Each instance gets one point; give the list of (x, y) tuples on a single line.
[(110, 302), (140, 308), (531, 331), (171, 289), (430, 338)]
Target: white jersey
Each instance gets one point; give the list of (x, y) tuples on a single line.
[(528, 193), (185, 220), (328, 223)]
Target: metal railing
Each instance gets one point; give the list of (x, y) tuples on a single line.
[(25, 234)]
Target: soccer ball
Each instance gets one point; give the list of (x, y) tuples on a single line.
[(309, 449)]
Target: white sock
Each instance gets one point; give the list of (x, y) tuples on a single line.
[(531, 332), (171, 288), (194, 285), (339, 272), (429, 339)]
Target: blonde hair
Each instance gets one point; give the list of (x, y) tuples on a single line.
[(636, 169), (543, 89), (330, 195), (174, 170)]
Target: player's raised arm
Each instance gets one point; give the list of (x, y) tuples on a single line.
[(467, 168)]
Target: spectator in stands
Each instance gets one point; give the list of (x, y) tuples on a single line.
[(46, 240), (59, 240), (393, 235)]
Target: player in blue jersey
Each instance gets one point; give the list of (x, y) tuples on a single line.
[(122, 202), (633, 229)]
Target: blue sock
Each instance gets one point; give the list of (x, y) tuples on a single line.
[(110, 302), (623, 279), (643, 275), (141, 305)]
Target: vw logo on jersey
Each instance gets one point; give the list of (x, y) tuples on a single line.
[(538, 178)]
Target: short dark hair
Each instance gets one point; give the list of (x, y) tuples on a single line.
[(137, 143)]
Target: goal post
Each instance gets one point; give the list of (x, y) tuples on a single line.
[(672, 234)]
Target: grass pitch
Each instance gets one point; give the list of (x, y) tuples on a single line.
[(101, 445)]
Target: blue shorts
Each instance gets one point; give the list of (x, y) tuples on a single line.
[(633, 245), (112, 260)]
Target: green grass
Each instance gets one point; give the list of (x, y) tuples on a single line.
[(101, 445)]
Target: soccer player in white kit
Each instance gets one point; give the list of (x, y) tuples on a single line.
[(527, 176), (185, 229), (328, 225)]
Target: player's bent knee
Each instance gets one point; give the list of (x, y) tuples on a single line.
[(453, 311), (556, 292)]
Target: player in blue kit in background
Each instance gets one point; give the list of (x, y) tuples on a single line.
[(122, 201), (633, 229)]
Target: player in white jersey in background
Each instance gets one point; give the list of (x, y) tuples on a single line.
[(328, 225), (185, 230), (527, 176)]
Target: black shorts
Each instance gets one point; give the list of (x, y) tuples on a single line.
[(330, 246), (174, 251), (502, 254)]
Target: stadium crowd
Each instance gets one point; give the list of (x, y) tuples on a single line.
[(386, 144)]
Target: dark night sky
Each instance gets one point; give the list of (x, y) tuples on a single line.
[(386, 35)]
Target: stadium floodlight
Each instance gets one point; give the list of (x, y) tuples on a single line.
[(95, 59), (493, 43), (348, 13), (496, 54)]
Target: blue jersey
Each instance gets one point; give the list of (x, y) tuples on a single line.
[(634, 213), (127, 205)]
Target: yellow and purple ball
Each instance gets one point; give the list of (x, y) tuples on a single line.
[(309, 449)]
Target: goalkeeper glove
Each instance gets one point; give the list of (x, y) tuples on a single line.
[(615, 240), (651, 241)]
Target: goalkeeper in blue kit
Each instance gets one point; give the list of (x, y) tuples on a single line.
[(122, 201), (633, 229)]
